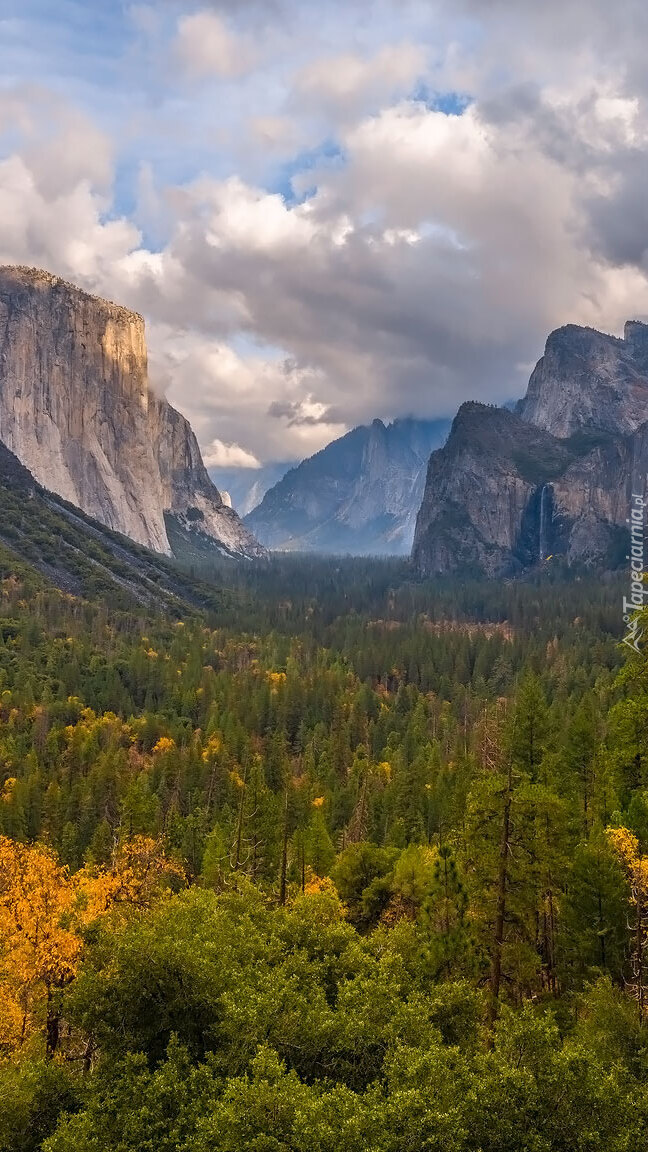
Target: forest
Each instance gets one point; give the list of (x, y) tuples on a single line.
[(328, 860)]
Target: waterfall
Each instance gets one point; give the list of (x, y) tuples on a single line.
[(543, 523)]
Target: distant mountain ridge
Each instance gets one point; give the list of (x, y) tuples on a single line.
[(554, 478), (246, 487), (359, 495)]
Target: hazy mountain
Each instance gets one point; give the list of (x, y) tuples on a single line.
[(359, 495), (77, 411), (247, 486)]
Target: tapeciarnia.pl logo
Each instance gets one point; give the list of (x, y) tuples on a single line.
[(638, 588)]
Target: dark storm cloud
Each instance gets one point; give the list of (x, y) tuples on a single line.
[(618, 221)]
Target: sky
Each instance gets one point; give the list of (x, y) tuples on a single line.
[(331, 210)]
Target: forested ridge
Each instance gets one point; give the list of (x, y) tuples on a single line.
[(331, 860)]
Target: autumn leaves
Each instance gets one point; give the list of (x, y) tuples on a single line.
[(44, 912)]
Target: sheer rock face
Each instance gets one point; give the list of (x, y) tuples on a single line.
[(554, 478), (480, 490), (589, 381), (77, 411)]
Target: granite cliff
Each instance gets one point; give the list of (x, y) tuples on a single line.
[(589, 381), (77, 410), (555, 478)]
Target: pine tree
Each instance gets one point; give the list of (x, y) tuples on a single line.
[(445, 934), (319, 849)]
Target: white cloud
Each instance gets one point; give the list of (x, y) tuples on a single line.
[(220, 455), (227, 395), (67, 234), (71, 151), (206, 47), (240, 216), (347, 85), (274, 133)]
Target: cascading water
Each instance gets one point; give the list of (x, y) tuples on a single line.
[(543, 523)]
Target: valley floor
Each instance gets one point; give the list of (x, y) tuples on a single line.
[(312, 856)]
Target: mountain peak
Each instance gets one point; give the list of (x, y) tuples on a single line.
[(635, 335), (589, 381), (632, 327), (510, 489)]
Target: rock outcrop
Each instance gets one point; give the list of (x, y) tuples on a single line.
[(510, 490), (359, 495), (589, 381), (77, 411)]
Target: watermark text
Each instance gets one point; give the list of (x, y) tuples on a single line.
[(638, 587)]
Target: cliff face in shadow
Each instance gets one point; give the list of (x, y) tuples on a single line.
[(554, 478), (588, 381)]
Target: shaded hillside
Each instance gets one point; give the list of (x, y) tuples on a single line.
[(82, 558)]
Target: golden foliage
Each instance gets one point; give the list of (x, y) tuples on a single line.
[(212, 748), (6, 795), (276, 680), (43, 911), (626, 845), (316, 885), (164, 744), (39, 947)]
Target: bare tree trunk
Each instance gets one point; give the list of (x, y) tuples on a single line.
[(553, 984), (639, 956), (52, 1026), (601, 933)]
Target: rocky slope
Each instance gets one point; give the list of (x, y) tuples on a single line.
[(359, 495), (77, 411), (509, 490)]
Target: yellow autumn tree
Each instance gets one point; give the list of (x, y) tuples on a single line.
[(164, 744), (39, 948), (138, 872), (626, 845), (43, 912)]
